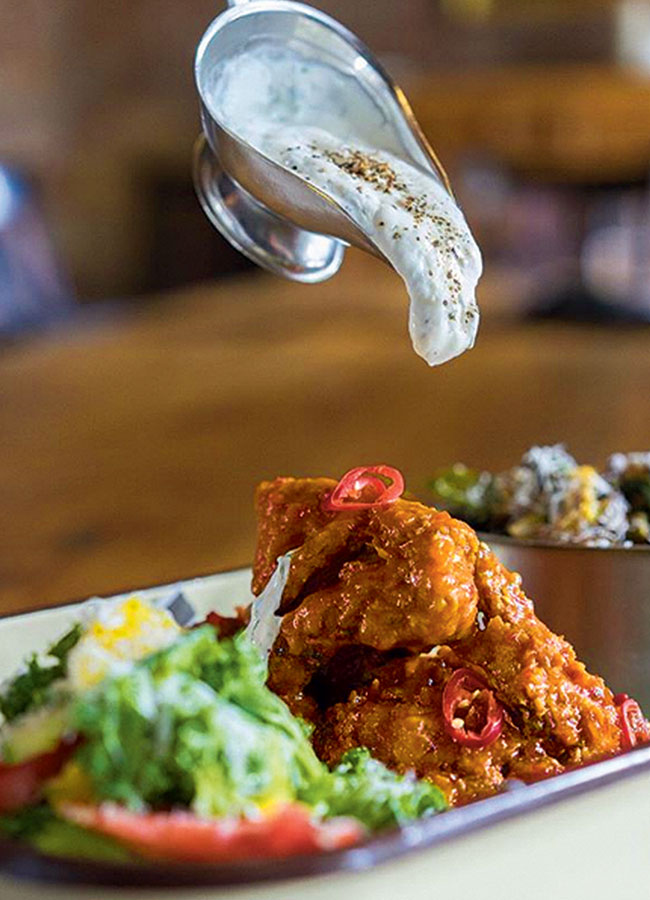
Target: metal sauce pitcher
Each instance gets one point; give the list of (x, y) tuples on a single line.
[(269, 213)]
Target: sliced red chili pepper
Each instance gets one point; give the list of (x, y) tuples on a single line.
[(366, 486), (634, 726), (472, 715), (21, 783)]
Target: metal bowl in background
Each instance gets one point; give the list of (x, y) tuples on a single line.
[(599, 599)]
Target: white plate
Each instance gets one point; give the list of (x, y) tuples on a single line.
[(594, 845), (20, 635)]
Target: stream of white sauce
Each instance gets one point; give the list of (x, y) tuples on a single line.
[(264, 625), (322, 125)]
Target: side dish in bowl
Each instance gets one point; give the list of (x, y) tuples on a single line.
[(549, 497)]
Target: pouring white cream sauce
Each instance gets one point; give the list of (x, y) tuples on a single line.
[(321, 124)]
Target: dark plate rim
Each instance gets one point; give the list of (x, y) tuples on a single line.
[(22, 862)]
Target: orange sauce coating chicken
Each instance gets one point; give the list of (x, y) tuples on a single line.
[(383, 606)]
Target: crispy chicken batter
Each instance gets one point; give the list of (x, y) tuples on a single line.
[(381, 606)]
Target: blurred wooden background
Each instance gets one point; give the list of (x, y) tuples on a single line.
[(130, 450), (98, 108), (131, 437)]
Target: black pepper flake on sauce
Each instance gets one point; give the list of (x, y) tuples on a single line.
[(426, 217)]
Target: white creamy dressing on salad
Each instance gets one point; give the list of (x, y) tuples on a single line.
[(321, 124)]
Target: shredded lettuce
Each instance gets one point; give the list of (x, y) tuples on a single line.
[(236, 671), (362, 787), (194, 726)]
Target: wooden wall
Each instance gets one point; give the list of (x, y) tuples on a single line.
[(97, 106)]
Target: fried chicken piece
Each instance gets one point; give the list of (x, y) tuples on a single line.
[(288, 509), (342, 573), (399, 718), (536, 672), (368, 593), (427, 556)]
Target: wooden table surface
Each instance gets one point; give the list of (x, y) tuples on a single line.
[(130, 446)]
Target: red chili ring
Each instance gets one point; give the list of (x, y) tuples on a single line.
[(461, 687), (631, 721), (360, 481)]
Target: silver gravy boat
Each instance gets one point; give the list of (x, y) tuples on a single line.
[(271, 214)]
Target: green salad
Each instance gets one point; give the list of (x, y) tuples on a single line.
[(133, 736)]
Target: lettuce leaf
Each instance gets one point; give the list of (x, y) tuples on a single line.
[(235, 670), (363, 787), (31, 688)]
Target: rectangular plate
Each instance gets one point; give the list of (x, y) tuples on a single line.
[(591, 844)]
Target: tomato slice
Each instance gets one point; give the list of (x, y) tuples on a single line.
[(20, 784), (634, 727), (182, 837), (467, 703), (365, 487)]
